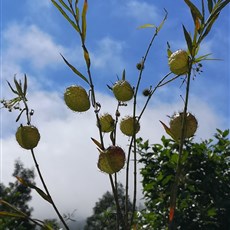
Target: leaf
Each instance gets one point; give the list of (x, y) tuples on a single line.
[(163, 21), (194, 9), (83, 16), (147, 26), (18, 87), (63, 4), (97, 143), (11, 214), (210, 6), (168, 131), (25, 86), (39, 191), (123, 75), (75, 70), (12, 89), (87, 58), (66, 16), (188, 40)]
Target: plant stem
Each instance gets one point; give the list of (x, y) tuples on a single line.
[(47, 191)]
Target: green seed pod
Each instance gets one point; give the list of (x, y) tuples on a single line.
[(111, 160), (176, 125), (27, 136), (178, 62), (107, 123), (129, 126), (77, 99), (122, 91)]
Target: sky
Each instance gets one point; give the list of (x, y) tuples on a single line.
[(33, 34)]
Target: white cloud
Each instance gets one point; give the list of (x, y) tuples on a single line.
[(108, 54), (141, 11)]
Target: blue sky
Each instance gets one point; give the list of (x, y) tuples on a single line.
[(33, 33)]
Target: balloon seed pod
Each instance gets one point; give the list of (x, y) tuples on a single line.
[(27, 136), (111, 160), (129, 126), (77, 99), (178, 62), (107, 123), (123, 91), (191, 125)]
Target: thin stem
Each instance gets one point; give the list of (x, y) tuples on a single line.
[(47, 191)]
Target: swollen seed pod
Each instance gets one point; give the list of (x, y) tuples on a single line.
[(122, 91), (106, 122), (111, 160), (176, 125), (27, 136), (178, 62), (129, 126), (77, 99)]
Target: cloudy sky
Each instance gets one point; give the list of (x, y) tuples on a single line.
[(33, 34)]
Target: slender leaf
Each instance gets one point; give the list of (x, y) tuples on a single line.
[(147, 26), (12, 89), (18, 87), (25, 86), (168, 131), (87, 58), (194, 9), (97, 143), (43, 194), (123, 75), (66, 16), (75, 70), (83, 28), (64, 5), (11, 214), (210, 6), (163, 21), (188, 40)]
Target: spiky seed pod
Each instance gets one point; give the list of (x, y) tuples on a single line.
[(106, 122), (178, 62), (111, 160), (123, 91), (129, 126), (27, 136), (77, 99), (176, 125)]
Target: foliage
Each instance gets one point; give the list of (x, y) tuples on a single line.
[(104, 213), (204, 186), (17, 195)]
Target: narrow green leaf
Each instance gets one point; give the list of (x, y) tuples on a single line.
[(97, 143), (210, 6), (18, 87), (11, 214), (64, 5), (123, 75), (147, 26), (194, 9), (168, 131), (163, 21), (66, 16), (75, 70), (12, 89), (43, 194), (188, 40), (86, 56), (84, 11), (25, 86)]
